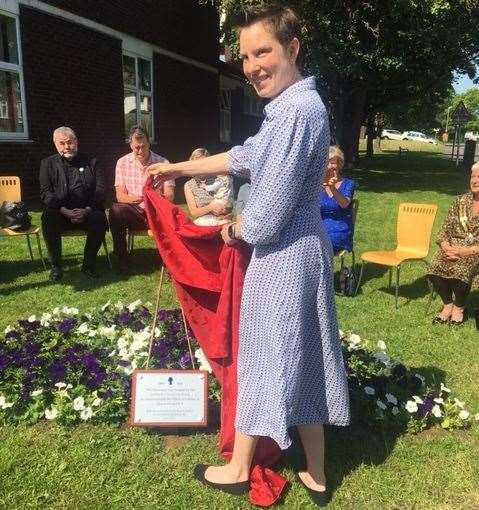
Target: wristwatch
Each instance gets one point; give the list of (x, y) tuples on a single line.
[(231, 231)]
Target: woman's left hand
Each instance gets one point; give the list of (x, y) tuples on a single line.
[(226, 238)]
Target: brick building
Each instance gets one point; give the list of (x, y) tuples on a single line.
[(101, 66)]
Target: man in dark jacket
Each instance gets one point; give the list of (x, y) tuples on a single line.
[(72, 189)]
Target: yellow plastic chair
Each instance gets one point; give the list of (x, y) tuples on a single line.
[(341, 254), (10, 191), (413, 231)]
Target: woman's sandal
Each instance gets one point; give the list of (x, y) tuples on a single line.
[(458, 323), (237, 489), (320, 498), (439, 320)]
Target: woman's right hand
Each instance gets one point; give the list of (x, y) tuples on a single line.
[(163, 171)]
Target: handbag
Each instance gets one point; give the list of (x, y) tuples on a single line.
[(347, 282), (14, 215)]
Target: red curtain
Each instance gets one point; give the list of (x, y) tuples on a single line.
[(208, 279)]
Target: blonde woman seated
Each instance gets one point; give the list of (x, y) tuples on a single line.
[(209, 199), (457, 262)]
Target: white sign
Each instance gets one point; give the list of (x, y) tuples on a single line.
[(169, 398)]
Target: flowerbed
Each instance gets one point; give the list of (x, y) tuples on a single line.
[(72, 368)]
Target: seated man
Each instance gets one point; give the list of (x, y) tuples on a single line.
[(72, 189), (130, 177)]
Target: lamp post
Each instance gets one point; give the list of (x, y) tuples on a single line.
[(447, 117)]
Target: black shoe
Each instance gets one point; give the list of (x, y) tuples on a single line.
[(320, 498), (439, 320), (56, 273), (237, 489), (88, 271)]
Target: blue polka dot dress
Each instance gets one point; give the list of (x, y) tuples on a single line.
[(290, 366)]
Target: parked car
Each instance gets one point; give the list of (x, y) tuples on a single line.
[(416, 136), (472, 135), (391, 134)]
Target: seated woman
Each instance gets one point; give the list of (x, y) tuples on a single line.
[(335, 200), (457, 262), (209, 199)]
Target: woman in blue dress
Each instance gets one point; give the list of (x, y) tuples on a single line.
[(336, 203), (290, 366)]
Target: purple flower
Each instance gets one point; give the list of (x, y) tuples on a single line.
[(137, 326), (57, 372), (66, 326), (145, 313), (185, 361), (124, 363), (107, 395), (162, 315), (12, 335), (160, 351), (29, 326), (123, 318)]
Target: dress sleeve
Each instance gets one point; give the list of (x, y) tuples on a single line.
[(281, 181), (239, 158), (348, 188), (447, 228)]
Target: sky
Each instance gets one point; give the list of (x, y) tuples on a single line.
[(463, 83)]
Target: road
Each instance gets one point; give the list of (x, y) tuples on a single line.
[(448, 149)]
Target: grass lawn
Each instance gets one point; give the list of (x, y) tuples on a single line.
[(105, 468)]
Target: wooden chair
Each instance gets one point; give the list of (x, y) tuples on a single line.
[(76, 233), (10, 191), (343, 253), (413, 231), (131, 238)]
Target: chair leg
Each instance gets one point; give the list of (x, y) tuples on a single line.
[(342, 263), (397, 285), (105, 247), (132, 243), (390, 278), (360, 277), (353, 261), (39, 245), (29, 247)]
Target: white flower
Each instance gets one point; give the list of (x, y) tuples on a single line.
[(439, 400), (458, 403), (382, 345), (4, 404), (70, 311), (133, 306), (96, 402), (108, 332), (381, 356), (381, 404), (137, 344), (124, 354), (369, 391), (354, 339), (32, 318), (69, 387), (417, 399), (91, 333), (202, 361), (122, 343), (421, 378), (83, 328), (411, 406), (476, 417), (464, 415), (88, 316), (443, 388), (142, 336), (45, 319), (8, 329), (341, 333), (86, 413), (395, 410), (119, 305), (106, 305), (436, 411), (56, 311), (51, 414), (36, 393), (391, 398), (60, 385), (127, 370), (79, 404)]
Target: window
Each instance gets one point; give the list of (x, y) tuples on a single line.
[(12, 95), (137, 97), (225, 115)]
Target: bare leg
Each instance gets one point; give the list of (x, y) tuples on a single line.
[(237, 469), (312, 437), (446, 312), (457, 313)]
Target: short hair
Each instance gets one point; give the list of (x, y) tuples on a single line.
[(283, 20), (336, 152), (199, 153), (64, 130), (475, 166), (138, 132)]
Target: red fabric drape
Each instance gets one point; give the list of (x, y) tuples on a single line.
[(208, 278)]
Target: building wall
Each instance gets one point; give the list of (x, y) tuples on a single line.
[(182, 26)]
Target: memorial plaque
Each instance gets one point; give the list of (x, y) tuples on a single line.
[(169, 398)]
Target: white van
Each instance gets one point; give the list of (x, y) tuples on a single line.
[(472, 135)]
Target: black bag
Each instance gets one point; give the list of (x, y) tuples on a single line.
[(347, 282), (14, 215)]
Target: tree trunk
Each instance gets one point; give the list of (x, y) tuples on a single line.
[(370, 140), (349, 118)]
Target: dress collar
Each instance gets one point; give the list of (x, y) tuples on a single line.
[(277, 104)]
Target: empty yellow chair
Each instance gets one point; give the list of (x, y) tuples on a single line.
[(10, 191), (414, 228)]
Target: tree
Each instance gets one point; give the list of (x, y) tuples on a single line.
[(372, 56), (470, 98)]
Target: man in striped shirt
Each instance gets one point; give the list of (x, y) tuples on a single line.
[(128, 212)]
